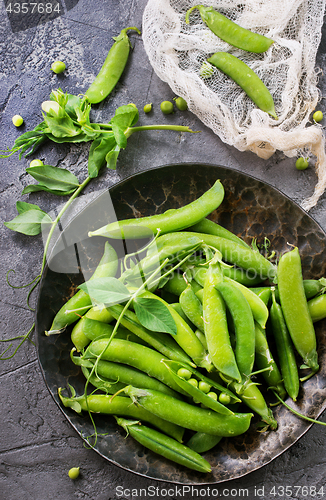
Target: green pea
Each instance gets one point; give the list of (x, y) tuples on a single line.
[(148, 108), (206, 70), (193, 382), (180, 103), (318, 116), (58, 67), (17, 120), (36, 163), (302, 163), (212, 395), (224, 398), (184, 373), (204, 386), (74, 472), (166, 107)]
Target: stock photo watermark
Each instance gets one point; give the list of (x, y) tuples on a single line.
[(24, 15)]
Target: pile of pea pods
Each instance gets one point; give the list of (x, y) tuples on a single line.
[(179, 394)]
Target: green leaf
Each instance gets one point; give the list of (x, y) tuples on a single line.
[(97, 154), (112, 157), (22, 207), (119, 136), (125, 116), (61, 125), (34, 188), (106, 291), (154, 315), (54, 178), (77, 138), (29, 222)]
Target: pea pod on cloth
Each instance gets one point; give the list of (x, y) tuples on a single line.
[(107, 267), (230, 32), (164, 445), (295, 308), (171, 220), (246, 78), (112, 68)]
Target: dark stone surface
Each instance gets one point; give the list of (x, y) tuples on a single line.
[(38, 445)]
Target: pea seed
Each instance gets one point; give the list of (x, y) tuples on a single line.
[(212, 395), (17, 120), (166, 107), (224, 398), (74, 472), (184, 373), (36, 163), (302, 163), (318, 116), (181, 104), (58, 67), (193, 382), (206, 70), (148, 108), (204, 386)]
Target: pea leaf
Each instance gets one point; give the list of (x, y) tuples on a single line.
[(154, 315), (29, 222), (34, 188), (119, 136), (112, 157), (54, 178), (22, 207), (125, 116), (107, 291), (97, 153)]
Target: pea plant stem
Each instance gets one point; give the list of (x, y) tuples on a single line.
[(176, 128)]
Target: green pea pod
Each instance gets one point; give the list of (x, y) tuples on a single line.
[(209, 227), (78, 336), (311, 288), (107, 267), (171, 220), (112, 68), (138, 356), (105, 385), (192, 307), (196, 393), (235, 253), (119, 405), (317, 308), (231, 32), (216, 327), (163, 343), (295, 308), (177, 307), (165, 445), (202, 442), (257, 305), (190, 416), (264, 293), (285, 350), (265, 362), (94, 329), (246, 78), (177, 284), (244, 326)]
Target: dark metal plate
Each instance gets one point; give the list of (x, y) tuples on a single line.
[(250, 209)]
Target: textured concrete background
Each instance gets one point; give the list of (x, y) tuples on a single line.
[(37, 444)]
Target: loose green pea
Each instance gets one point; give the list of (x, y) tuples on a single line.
[(180, 103), (17, 120), (212, 395), (148, 108), (193, 382), (224, 398), (318, 116), (58, 67), (204, 386), (206, 70), (184, 373), (74, 472), (166, 107), (36, 163), (302, 163)]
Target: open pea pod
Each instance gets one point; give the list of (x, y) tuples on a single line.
[(197, 394)]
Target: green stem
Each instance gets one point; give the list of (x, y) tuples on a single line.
[(177, 128), (296, 412), (55, 222)]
